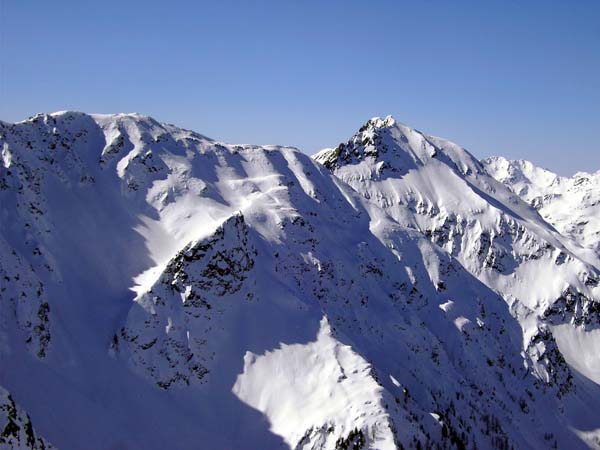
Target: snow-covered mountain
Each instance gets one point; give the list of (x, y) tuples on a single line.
[(571, 205), (163, 290), (437, 188)]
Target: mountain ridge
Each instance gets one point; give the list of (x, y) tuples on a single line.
[(243, 295), (568, 203)]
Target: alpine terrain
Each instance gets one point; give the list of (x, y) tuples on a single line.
[(159, 289), (572, 205)]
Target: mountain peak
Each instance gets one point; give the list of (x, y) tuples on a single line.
[(385, 145), (375, 137), (377, 122)]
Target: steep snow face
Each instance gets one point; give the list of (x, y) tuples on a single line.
[(24, 304), (167, 340), (571, 205), (193, 292), (17, 429), (438, 188)]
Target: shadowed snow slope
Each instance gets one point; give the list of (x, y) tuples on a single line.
[(164, 290)]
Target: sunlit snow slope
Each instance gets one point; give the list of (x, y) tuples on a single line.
[(572, 204), (437, 188), (163, 290)]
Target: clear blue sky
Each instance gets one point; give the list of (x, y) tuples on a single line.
[(517, 78)]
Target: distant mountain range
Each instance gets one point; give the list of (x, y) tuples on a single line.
[(572, 205)]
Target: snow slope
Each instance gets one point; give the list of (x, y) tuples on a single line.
[(571, 205), (17, 429), (438, 188), (164, 290)]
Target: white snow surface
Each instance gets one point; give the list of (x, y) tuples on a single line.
[(310, 404), (160, 289), (570, 204)]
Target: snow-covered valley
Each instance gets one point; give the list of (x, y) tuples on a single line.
[(159, 289)]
